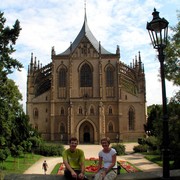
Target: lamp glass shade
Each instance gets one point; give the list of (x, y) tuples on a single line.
[(158, 30)]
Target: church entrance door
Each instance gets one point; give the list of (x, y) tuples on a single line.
[(86, 133), (86, 137)]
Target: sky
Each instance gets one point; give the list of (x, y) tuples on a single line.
[(48, 23)]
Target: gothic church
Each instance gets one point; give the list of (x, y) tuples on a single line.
[(87, 92)]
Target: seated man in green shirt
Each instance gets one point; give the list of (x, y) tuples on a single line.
[(73, 160)]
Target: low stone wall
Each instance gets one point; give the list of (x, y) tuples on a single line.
[(175, 175)]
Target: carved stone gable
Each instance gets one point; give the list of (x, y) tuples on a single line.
[(85, 49)]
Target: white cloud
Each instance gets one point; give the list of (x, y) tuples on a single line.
[(47, 23)]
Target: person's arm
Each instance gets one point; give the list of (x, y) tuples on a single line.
[(112, 163), (99, 163), (82, 165), (68, 167), (81, 175)]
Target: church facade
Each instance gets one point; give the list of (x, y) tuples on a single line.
[(87, 92)]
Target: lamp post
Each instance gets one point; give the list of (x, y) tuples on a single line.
[(158, 32)]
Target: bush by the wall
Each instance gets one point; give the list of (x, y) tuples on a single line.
[(153, 143), (47, 150), (141, 141), (120, 148), (141, 148)]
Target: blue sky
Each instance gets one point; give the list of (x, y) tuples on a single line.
[(48, 23)]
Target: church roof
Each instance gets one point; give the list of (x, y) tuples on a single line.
[(85, 32)]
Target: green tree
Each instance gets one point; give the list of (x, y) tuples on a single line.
[(14, 124), (174, 129), (15, 131), (9, 93), (9, 108), (20, 128), (172, 62), (154, 120), (8, 37), (172, 73), (4, 153)]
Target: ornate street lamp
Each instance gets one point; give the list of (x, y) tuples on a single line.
[(158, 32)]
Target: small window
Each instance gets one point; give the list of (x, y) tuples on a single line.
[(80, 110), (110, 110), (91, 110), (36, 127), (110, 127), (62, 128), (125, 97), (62, 111), (36, 113)]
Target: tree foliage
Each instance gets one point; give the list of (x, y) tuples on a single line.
[(15, 130), (155, 126), (154, 120), (174, 129), (8, 37), (172, 62)]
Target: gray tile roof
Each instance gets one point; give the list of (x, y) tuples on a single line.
[(85, 32)]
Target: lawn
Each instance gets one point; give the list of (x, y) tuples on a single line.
[(157, 159), (18, 165)]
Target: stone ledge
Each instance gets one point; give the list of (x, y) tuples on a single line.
[(156, 175)]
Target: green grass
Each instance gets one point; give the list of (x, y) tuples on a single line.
[(18, 165), (158, 160), (56, 168)]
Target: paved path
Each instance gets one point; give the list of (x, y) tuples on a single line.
[(92, 151)]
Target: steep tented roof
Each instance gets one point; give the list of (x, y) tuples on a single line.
[(85, 32)]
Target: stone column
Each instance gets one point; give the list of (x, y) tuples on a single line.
[(101, 121)]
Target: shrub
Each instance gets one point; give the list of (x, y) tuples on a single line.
[(50, 150), (120, 148), (141, 141), (152, 142), (141, 148)]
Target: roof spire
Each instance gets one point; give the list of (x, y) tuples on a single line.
[(85, 18), (85, 5)]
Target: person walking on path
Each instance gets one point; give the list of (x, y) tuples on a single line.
[(107, 166), (73, 159), (45, 166)]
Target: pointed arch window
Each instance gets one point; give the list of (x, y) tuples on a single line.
[(110, 110), (62, 128), (110, 127), (86, 76), (91, 110), (62, 77), (36, 127), (62, 111), (109, 77), (131, 119), (80, 110), (36, 113)]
